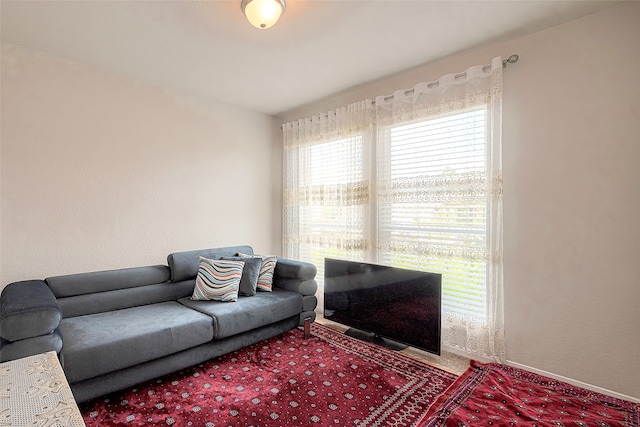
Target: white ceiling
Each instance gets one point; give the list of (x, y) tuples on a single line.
[(319, 47)]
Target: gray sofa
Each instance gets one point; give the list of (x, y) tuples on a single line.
[(117, 328)]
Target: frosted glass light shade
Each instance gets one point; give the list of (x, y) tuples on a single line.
[(263, 14)]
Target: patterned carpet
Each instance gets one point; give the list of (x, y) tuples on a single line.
[(329, 379), (494, 394)]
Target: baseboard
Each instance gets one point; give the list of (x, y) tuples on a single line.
[(573, 382), (457, 352)]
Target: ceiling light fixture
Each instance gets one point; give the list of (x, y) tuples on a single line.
[(263, 14)]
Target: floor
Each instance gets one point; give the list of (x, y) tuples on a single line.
[(449, 362)]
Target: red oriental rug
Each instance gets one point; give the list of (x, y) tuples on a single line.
[(499, 395), (329, 379)]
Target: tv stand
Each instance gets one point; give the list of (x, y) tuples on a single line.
[(375, 339)]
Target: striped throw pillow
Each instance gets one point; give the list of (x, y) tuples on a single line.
[(267, 267), (217, 280)]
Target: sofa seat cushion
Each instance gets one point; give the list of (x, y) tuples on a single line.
[(99, 343), (231, 318)]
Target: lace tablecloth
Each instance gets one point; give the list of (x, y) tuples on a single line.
[(35, 392)]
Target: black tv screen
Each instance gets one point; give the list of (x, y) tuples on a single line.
[(387, 302)]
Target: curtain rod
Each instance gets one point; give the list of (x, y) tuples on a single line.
[(512, 59)]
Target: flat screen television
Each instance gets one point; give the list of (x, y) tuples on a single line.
[(386, 305)]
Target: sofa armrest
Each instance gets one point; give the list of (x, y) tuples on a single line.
[(303, 287), (290, 269), (299, 276), (30, 346), (28, 309)]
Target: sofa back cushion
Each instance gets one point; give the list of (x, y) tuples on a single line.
[(100, 291), (184, 265), (109, 280), (102, 302)]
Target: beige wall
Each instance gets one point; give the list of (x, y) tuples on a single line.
[(571, 135), (100, 171)]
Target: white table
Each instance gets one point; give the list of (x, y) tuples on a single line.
[(35, 392)]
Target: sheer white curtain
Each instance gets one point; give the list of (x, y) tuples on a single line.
[(413, 180), (327, 187), (439, 198)]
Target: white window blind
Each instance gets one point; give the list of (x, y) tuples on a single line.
[(432, 210)]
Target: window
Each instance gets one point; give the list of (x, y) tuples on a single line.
[(333, 217), (411, 180), (426, 219)]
